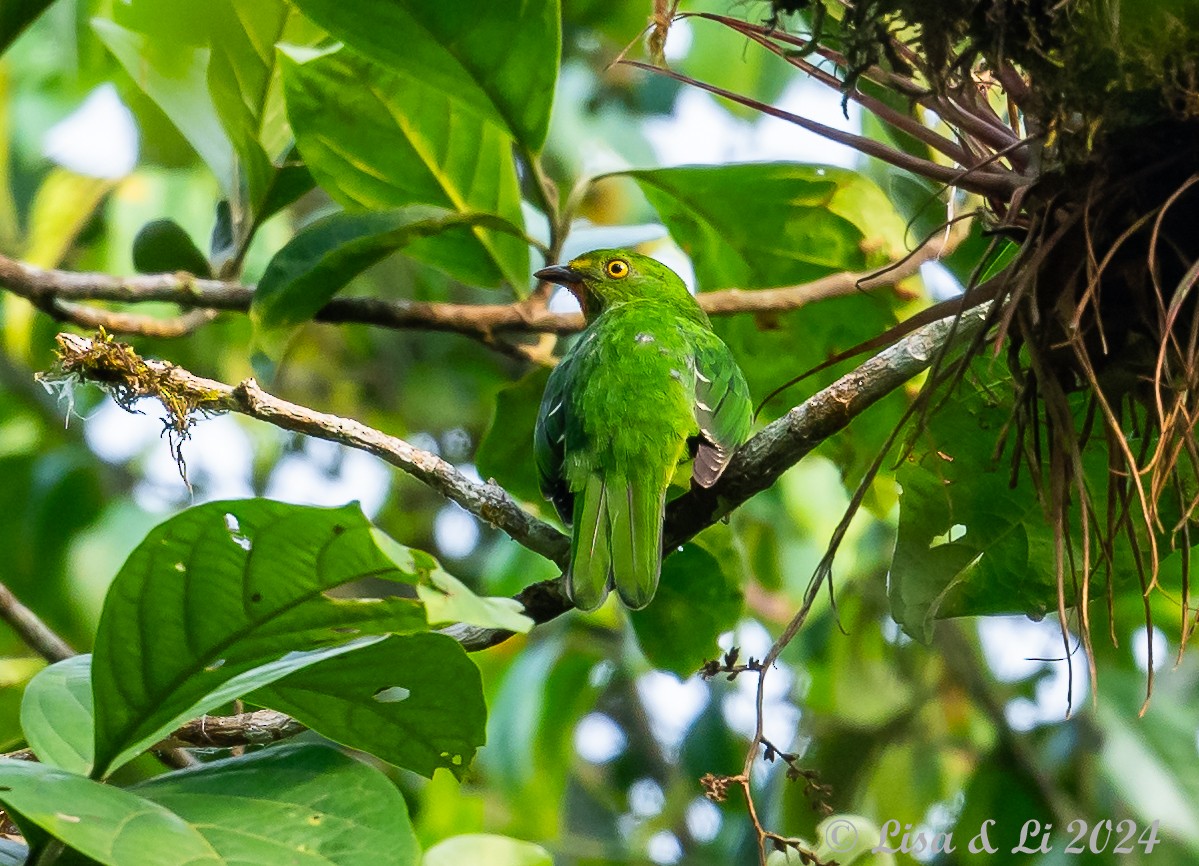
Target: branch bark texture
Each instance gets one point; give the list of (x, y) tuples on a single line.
[(755, 467), (61, 294)]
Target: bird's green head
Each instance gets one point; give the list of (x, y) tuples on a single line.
[(601, 278)]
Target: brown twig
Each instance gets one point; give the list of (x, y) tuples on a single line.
[(756, 465), (258, 728), (38, 636), (116, 366), (58, 292)]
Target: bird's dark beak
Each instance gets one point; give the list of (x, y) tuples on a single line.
[(560, 274)]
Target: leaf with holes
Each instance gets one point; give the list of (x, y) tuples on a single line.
[(304, 804), (377, 140), (57, 717), (969, 543), (219, 591), (500, 57), (415, 701)]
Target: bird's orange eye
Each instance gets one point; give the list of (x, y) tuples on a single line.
[(618, 269)]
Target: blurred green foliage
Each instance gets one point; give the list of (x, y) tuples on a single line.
[(312, 129)]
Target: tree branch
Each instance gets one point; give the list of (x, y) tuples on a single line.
[(183, 394), (755, 466), (38, 636), (259, 728), (58, 292)]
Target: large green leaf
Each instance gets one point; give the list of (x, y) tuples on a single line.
[(698, 599), (174, 76), (415, 701), (761, 225), (319, 261), (245, 81), (376, 139), (497, 56), (15, 16), (486, 848), (223, 589), (56, 715), (111, 825), (969, 543), (294, 804), (241, 71)]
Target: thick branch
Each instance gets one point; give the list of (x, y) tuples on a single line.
[(259, 728), (760, 461), (58, 293), (755, 467), (115, 365)]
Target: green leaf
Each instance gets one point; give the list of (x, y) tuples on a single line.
[(246, 85), (497, 56), (486, 848), (241, 70), (291, 180), (192, 609), (446, 598), (319, 261), (415, 701), (162, 246), (57, 717), (377, 140), (15, 16), (174, 76), (968, 542), (505, 452), (696, 602), (295, 804), (763, 225), (108, 824)]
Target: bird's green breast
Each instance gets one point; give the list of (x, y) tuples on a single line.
[(629, 401)]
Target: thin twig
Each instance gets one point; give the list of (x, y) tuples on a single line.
[(51, 290), (38, 636), (89, 360)]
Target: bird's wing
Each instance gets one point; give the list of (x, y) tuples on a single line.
[(723, 409), (549, 441)]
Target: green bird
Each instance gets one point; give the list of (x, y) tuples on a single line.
[(646, 386)]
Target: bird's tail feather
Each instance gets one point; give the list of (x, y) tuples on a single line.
[(617, 540)]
